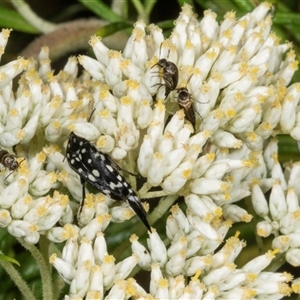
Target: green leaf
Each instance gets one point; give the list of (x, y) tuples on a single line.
[(9, 259), (287, 18), (245, 5), (11, 19), (101, 10), (112, 28), (181, 2)]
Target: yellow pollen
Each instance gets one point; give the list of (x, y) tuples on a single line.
[(227, 197), (243, 23), (52, 258), (103, 94), (94, 40), (69, 231), (41, 157), (211, 54), (6, 33), (133, 238), (158, 156), (87, 264), (102, 142), (75, 104), (238, 97), (168, 135), (139, 34), (296, 214), (230, 113), (227, 33), (160, 106), (126, 100), (174, 209), (217, 76), (104, 113), (230, 15), (4, 214), (107, 217), (180, 114), (210, 156), (163, 283), (21, 134), (130, 291), (251, 277), (114, 54), (128, 214), (34, 228), (271, 254), (14, 112), (207, 133), (56, 102), (266, 126), (189, 44), (275, 157), (64, 200), (132, 84), (41, 211), (246, 218), (56, 124), (125, 63), (218, 212), (2, 76), (257, 108), (204, 89), (26, 93), (27, 199), (50, 76), (218, 114), (22, 182), (99, 198), (109, 259), (186, 174), (294, 65), (99, 219), (89, 201), (237, 144), (145, 102), (262, 98), (252, 136)]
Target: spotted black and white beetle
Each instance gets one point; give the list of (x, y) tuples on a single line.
[(102, 173), (169, 74)]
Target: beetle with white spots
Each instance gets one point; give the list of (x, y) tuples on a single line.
[(102, 173)]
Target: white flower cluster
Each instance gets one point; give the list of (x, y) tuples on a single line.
[(237, 75), (281, 212)]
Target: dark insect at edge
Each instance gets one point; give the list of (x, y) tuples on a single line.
[(102, 173), (9, 161), (170, 74)]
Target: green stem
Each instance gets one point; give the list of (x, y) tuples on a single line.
[(17, 279), (149, 6), (141, 11), (32, 18), (162, 207), (245, 5), (44, 269)]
